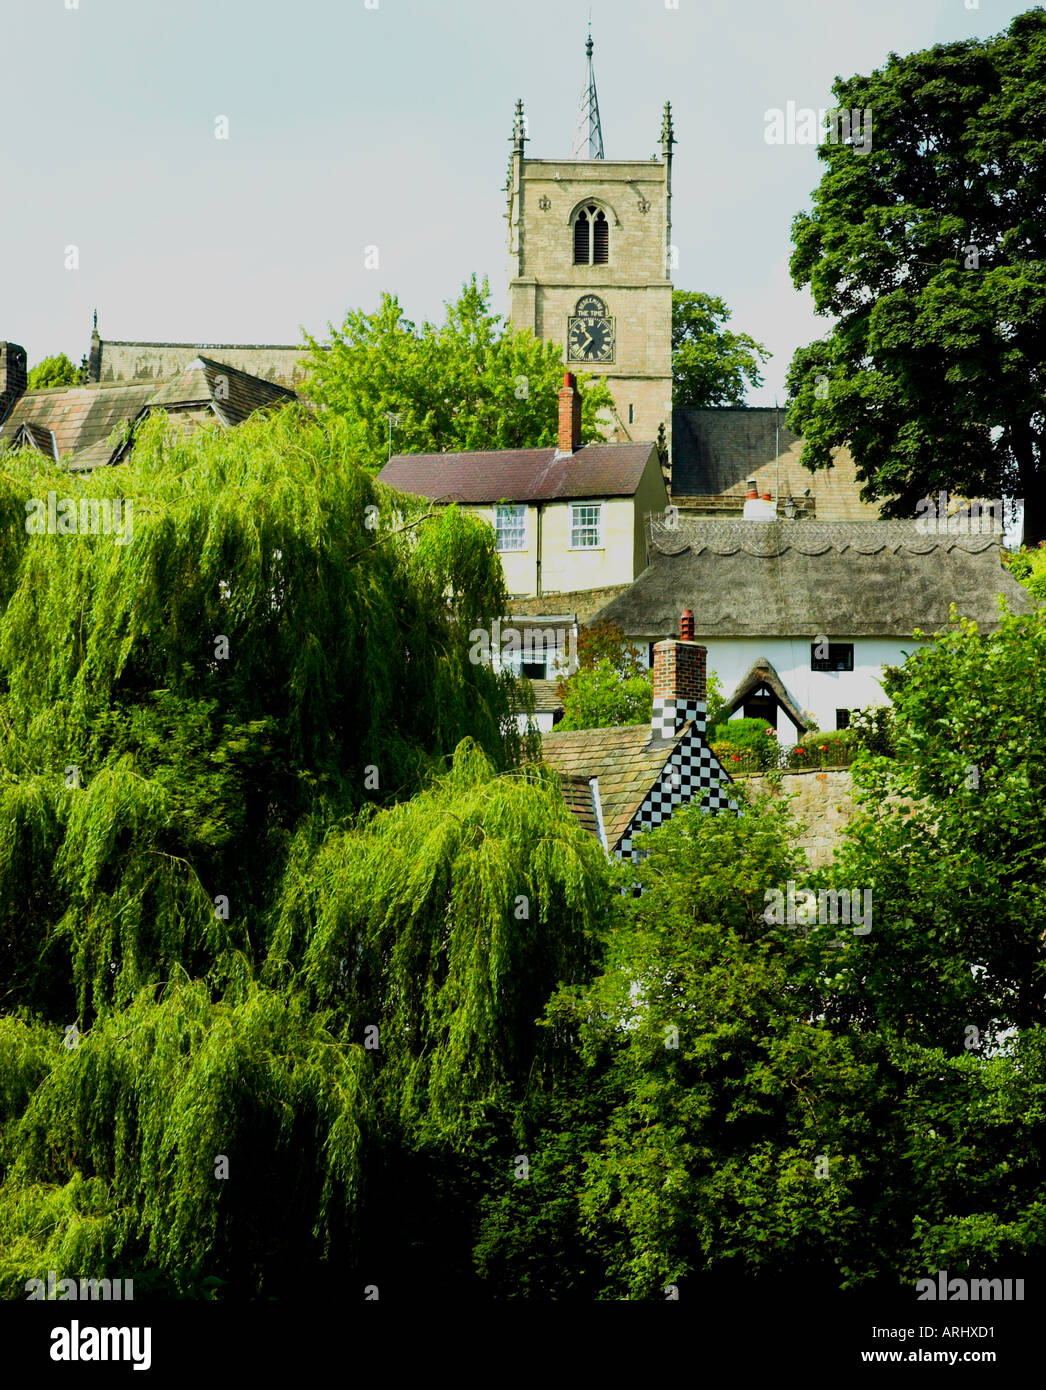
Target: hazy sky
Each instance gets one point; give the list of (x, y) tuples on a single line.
[(352, 126)]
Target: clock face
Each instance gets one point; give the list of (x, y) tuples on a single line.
[(590, 339)]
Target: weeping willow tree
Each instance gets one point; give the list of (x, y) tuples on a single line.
[(269, 633), (253, 910), (441, 923)]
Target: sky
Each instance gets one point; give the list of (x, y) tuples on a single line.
[(358, 123)]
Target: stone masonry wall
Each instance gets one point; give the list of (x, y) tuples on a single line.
[(823, 802)]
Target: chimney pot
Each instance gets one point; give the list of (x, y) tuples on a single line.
[(686, 626), (753, 491)]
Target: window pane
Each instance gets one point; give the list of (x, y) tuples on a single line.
[(840, 657), (584, 524), (510, 523)]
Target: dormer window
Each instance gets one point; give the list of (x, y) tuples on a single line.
[(591, 236)]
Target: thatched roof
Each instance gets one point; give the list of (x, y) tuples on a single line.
[(762, 675), (807, 578)]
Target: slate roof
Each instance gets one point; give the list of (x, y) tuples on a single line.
[(805, 578), (624, 759), (83, 418), (715, 451), (36, 437), (232, 394), (520, 475), (80, 416)]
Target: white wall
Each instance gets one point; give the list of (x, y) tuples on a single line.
[(542, 722), (820, 692)]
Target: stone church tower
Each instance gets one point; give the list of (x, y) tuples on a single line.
[(590, 264)]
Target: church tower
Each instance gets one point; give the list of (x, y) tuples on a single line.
[(590, 263)]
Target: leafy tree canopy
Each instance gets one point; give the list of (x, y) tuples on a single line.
[(930, 253), (596, 697), (467, 384), (1028, 567), (711, 364), (274, 638), (53, 371)]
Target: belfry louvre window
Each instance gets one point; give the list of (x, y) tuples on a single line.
[(591, 237)]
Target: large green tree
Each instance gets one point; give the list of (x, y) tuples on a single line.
[(711, 364), (53, 371), (272, 633), (232, 965), (469, 383), (930, 253)]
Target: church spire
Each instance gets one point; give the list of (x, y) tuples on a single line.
[(588, 137)]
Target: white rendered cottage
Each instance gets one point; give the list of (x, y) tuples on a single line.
[(799, 617)]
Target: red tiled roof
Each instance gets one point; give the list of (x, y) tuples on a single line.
[(520, 475)]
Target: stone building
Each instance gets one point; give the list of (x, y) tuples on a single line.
[(121, 360), (94, 424), (589, 243)]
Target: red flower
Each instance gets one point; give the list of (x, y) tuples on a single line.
[(824, 748), (772, 733), (735, 757), (801, 752)]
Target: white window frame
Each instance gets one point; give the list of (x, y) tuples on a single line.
[(576, 526), (520, 509)]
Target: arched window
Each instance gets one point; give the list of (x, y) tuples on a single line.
[(591, 237)]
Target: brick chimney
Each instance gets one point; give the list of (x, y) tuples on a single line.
[(569, 415), (13, 376), (679, 682)]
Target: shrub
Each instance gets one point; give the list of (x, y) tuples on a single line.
[(748, 736), (872, 728)]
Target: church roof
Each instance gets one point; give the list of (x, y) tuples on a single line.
[(716, 450), (233, 394), (82, 418), (520, 475), (807, 578)]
